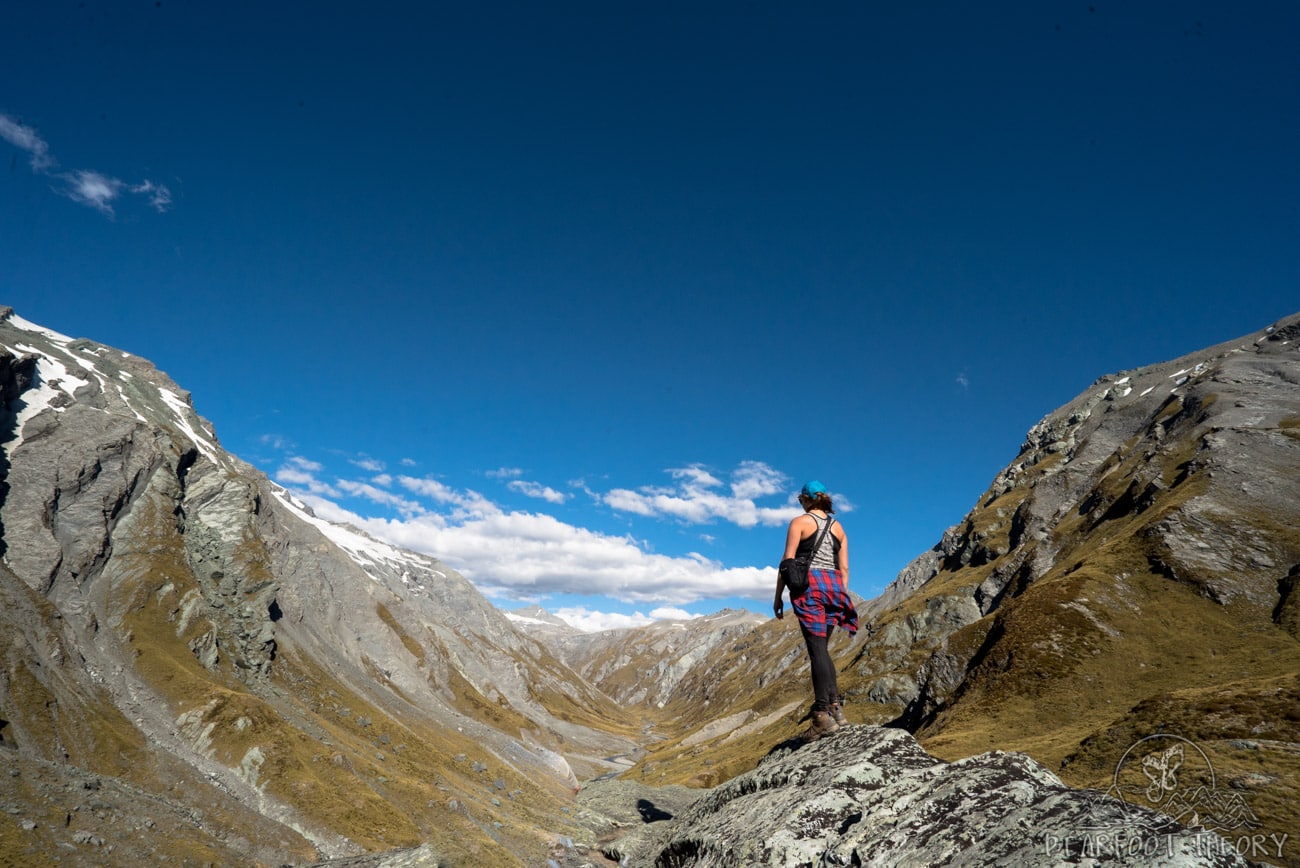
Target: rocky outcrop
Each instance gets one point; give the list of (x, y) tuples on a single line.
[(871, 796)]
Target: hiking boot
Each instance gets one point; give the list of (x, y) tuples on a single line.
[(837, 714), (822, 725)]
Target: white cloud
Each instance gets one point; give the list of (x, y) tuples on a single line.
[(668, 613), (300, 474), (593, 622), (99, 191), (696, 477), (755, 479), (406, 507), (536, 489), (505, 473), (629, 501), (159, 196), (696, 499), (365, 463), (27, 139), (521, 555), (430, 488), (468, 503), (86, 186), (93, 189)]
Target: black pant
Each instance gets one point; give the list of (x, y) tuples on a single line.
[(825, 687)]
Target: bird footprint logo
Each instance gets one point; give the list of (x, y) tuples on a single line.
[(1162, 770)]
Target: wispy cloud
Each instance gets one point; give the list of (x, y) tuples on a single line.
[(93, 189), (963, 380), (25, 138), (697, 497), (301, 474), (304, 464), (537, 490), (505, 473), (158, 195), (467, 503), (86, 186), (405, 506), (274, 441)]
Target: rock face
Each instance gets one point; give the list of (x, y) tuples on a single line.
[(1188, 471), (871, 796), (175, 627)]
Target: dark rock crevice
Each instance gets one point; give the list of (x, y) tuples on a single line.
[(17, 374), (1286, 614)]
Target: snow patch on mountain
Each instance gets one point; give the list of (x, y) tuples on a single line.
[(365, 551), (181, 411), (28, 326)]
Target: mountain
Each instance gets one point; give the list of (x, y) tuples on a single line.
[(541, 624), (1132, 571), (196, 667), (645, 666)]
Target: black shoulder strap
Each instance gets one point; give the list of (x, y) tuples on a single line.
[(821, 535)]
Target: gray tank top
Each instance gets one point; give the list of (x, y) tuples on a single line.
[(824, 557)]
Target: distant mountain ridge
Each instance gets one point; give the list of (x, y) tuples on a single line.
[(643, 666)]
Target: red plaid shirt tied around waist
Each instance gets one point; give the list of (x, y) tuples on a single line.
[(826, 602)]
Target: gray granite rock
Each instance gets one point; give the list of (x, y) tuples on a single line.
[(872, 796)]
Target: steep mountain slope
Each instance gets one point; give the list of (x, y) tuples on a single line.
[(246, 681), (1133, 569), (1140, 542)]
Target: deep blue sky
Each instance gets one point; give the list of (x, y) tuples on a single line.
[(474, 256)]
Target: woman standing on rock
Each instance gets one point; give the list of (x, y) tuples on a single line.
[(825, 605)]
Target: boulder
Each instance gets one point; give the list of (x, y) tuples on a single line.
[(871, 795)]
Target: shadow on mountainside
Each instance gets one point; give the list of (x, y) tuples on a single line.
[(17, 374)]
